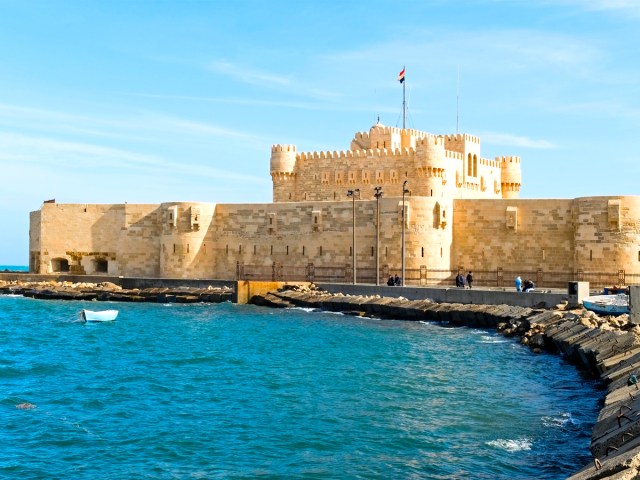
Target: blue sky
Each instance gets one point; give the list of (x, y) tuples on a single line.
[(152, 101)]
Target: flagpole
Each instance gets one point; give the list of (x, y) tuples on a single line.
[(401, 79), (404, 104)]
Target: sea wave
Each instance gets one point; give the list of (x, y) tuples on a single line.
[(305, 309), (490, 339), (514, 445), (560, 421)]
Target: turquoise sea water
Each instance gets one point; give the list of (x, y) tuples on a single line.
[(237, 392), (14, 268)]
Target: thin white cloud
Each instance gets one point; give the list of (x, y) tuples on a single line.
[(481, 51), (46, 150), (272, 81), (626, 7), (599, 109), (145, 124), (52, 154), (504, 139), (249, 75)]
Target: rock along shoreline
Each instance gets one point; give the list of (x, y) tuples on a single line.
[(110, 292), (607, 347)]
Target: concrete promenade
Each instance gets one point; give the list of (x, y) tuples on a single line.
[(477, 295)]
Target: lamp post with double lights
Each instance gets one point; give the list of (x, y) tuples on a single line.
[(378, 195), (353, 194), (404, 190)]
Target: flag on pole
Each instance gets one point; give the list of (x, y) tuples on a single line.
[(401, 76)]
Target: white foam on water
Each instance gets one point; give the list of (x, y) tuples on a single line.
[(305, 309), (559, 421), (488, 339), (428, 322), (515, 445)]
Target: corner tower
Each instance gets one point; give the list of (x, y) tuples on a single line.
[(511, 176), (430, 165), (283, 164)]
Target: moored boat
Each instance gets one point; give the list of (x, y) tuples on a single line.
[(607, 304), (98, 316)]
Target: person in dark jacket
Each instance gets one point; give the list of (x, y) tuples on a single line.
[(469, 279)]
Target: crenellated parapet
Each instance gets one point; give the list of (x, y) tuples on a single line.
[(462, 142), (453, 155), (283, 159), (461, 138), (511, 176), (355, 154), (430, 156)]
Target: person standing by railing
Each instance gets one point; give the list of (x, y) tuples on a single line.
[(518, 283)]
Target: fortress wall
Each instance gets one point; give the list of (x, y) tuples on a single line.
[(139, 241), (186, 246), (591, 234), (513, 234), (289, 234), (35, 245), (83, 233), (607, 233)]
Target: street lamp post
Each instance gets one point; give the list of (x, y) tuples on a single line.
[(378, 194), (353, 194), (404, 190)]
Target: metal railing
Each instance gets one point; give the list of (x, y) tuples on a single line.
[(424, 276)]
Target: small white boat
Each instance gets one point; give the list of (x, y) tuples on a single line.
[(100, 316), (607, 304)]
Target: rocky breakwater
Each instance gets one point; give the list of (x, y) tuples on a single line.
[(106, 291), (606, 347)]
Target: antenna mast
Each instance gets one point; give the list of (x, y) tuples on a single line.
[(457, 99)]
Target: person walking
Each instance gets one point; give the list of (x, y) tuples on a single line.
[(469, 279), (518, 283)]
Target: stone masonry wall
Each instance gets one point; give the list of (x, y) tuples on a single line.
[(589, 234), (514, 234)]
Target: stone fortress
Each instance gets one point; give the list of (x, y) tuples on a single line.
[(462, 212)]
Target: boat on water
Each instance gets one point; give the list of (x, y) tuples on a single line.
[(98, 316), (607, 304)]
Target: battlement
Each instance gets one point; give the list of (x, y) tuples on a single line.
[(487, 162), (362, 136), (344, 154), (429, 139), (512, 159), (283, 148), (382, 130), (453, 155), (462, 137)]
